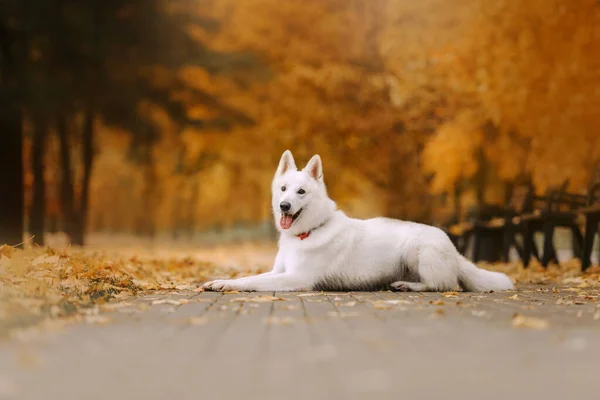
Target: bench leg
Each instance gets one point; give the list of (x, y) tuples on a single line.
[(535, 250), (548, 252), (507, 241), (476, 245), (527, 243), (577, 241), (591, 226)]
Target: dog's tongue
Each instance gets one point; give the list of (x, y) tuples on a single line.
[(286, 221)]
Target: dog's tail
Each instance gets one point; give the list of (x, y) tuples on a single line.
[(473, 279)]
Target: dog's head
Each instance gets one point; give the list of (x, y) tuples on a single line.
[(299, 197)]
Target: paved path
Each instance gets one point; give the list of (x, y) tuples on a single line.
[(187, 345)]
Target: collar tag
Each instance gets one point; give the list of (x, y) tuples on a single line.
[(303, 236)]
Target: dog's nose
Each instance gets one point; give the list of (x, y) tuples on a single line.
[(285, 206)]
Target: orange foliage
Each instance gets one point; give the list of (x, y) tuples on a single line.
[(389, 93)]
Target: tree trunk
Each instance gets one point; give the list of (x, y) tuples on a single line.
[(11, 151), (66, 181), (87, 149), (38, 206), (150, 200), (11, 173)]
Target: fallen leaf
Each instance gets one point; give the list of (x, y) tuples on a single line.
[(437, 302), (6, 251), (450, 294), (197, 320), (97, 319), (521, 321)]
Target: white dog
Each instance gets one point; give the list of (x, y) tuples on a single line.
[(320, 248)]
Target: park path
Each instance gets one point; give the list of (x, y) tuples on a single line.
[(188, 345)]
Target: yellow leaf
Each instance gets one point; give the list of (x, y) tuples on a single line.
[(437, 302), (6, 251), (521, 321), (451, 295)]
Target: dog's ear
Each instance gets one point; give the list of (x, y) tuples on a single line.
[(286, 163), (315, 167)]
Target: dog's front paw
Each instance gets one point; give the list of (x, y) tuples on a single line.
[(400, 287), (219, 285), (222, 285)]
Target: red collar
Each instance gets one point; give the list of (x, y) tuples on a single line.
[(303, 236)]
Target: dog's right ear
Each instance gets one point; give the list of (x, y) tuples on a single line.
[(286, 163)]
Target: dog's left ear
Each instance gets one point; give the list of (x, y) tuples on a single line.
[(315, 167), (286, 163)]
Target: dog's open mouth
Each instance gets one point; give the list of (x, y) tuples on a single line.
[(287, 220)]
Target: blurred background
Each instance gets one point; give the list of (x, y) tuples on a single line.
[(166, 119)]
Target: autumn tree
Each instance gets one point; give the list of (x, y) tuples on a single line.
[(532, 68), (95, 61)]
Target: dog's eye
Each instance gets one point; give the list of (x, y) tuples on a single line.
[(283, 188), (301, 191)]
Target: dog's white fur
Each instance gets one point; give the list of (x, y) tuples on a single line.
[(343, 253)]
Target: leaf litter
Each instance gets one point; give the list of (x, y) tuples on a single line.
[(41, 284)]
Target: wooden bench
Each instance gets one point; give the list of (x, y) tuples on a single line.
[(501, 226), (557, 209), (591, 212)]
